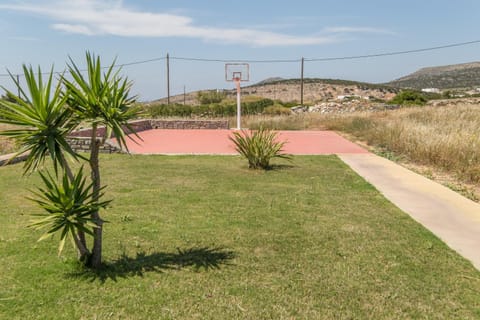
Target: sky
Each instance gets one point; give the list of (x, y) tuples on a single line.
[(45, 33)]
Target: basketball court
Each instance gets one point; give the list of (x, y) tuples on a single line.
[(217, 142), (164, 141)]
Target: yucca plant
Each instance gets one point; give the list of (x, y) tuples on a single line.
[(42, 119), (43, 122), (68, 206), (259, 147), (46, 115), (101, 98)]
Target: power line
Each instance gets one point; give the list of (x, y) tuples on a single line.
[(233, 60), (394, 53), (332, 58), (140, 62), (84, 70), (193, 59)]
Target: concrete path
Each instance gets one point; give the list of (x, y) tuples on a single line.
[(452, 217)]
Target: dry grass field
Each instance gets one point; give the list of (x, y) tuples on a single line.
[(444, 137), (6, 145)]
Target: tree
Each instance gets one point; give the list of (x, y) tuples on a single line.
[(102, 99)]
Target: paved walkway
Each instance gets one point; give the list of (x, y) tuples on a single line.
[(450, 216)]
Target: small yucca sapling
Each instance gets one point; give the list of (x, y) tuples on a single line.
[(259, 147)]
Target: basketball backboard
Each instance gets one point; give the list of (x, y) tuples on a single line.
[(237, 72)]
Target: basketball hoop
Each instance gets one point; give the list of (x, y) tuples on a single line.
[(237, 72)]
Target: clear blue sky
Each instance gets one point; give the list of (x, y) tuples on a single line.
[(45, 32)]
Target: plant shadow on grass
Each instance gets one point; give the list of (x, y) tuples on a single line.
[(198, 258), (279, 167)]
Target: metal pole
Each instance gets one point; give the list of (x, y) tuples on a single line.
[(301, 82), (168, 79), (239, 111)]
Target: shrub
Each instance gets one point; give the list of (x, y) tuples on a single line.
[(259, 147), (212, 96), (410, 97), (277, 110), (207, 110), (290, 104)]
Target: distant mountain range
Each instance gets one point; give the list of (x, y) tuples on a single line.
[(465, 75)]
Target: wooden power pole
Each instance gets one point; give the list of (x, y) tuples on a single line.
[(301, 82), (168, 79)]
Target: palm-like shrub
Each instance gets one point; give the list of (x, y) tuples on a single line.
[(68, 207), (45, 116), (259, 147), (42, 120), (103, 99)]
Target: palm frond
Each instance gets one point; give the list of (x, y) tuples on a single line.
[(67, 206), (102, 98), (43, 119)]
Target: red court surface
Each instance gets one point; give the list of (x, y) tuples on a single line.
[(161, 141)]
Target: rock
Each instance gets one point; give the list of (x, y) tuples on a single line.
[(299, 109)]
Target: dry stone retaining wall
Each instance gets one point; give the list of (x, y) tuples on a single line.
[(82, 144), (7, 159), (189, 124), (137, 126)]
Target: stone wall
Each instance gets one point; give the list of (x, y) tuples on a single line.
[(82, 144), (7, 158), (142, 125), (189, 124), (137, 126)]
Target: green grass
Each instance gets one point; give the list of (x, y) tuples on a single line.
[(206, 238)]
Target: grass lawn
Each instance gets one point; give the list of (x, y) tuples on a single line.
[(205, 238)]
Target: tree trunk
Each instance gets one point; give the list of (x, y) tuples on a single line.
[(96, 257), (83, 253), (80, 240)]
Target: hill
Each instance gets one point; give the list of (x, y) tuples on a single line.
[(465, 75), (315, 90)]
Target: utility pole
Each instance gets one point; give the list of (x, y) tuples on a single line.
[(184, 94), (168, 79), (301, 82)]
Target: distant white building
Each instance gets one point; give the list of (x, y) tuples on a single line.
[(431, 90), (351, 96)]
